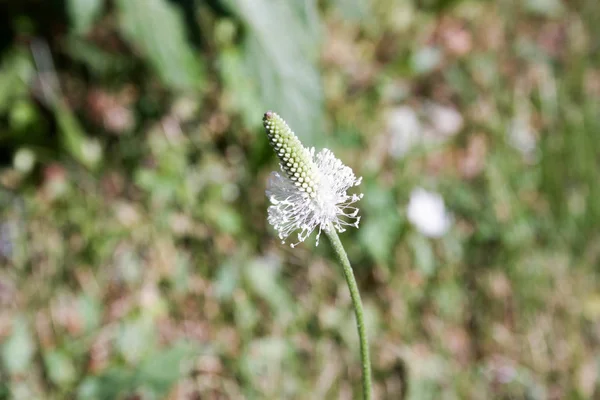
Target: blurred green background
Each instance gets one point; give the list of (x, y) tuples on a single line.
[(135, 257)]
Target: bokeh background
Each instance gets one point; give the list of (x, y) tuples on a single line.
[(135, 257)]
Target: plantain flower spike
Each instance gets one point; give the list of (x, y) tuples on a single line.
[(310, 193)]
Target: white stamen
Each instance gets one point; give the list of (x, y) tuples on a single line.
[(293, 209)]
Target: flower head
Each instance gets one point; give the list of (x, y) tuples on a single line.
[(427, 212), (311, 191)]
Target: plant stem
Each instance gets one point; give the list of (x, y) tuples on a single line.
[(358, 310)]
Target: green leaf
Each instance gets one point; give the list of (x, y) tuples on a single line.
[(112, 383), (91, 311), (18, 349), (262, 278), (379, 229), (281, 51), (226, 218), (378, 235), (246, 314), (242, 93), (227, 279), (99, 62), (154, 375), (83, 13), (353, 10), (545, 8), (266, 357), (156, 29), (450, 300), (85, 150), (59, 367), (423, 254), (16, 71), (160, 371), (136, 338)]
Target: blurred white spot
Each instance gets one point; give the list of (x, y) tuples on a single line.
[(230, 192), (126, 213), (429, 123), (425, 60), (118, 119), (427, 212), (91, 151), (506, 374), (24, 160), (444, 121), (521, 136), (405, 130), (520, 133)]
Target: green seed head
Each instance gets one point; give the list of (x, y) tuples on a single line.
[(296, 160)]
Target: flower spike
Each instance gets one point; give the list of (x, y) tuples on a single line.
[(311, 193), (296, 161)]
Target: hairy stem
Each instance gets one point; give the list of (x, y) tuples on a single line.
[(358, 310)]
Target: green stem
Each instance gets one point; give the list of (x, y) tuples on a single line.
[(358, 310)]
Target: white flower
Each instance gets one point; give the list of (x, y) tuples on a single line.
[(426, 211), (310, 193)]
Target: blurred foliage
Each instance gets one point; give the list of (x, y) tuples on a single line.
[(135, 257)]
